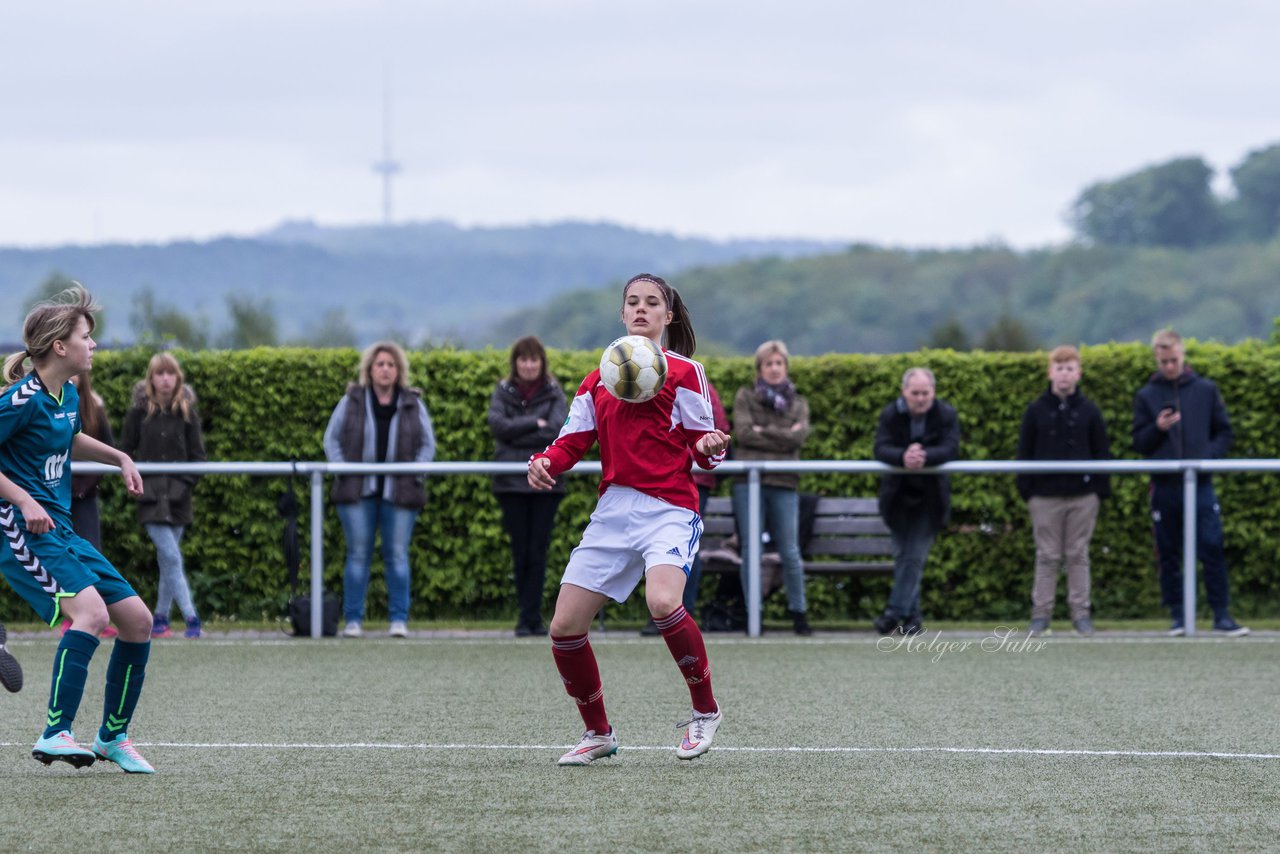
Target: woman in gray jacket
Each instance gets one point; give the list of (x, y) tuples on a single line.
[(379, 419), (526, 412)]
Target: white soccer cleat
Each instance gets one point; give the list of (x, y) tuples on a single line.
[(591, 748), (701, 730)]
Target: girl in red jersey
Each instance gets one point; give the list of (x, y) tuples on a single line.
[(646, 523)]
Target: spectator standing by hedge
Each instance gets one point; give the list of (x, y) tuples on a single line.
[(379, 419), (1063, 424), (163, 426), (771, 422), (526, 411), (915, 432), (1180, 415)]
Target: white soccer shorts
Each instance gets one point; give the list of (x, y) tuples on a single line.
[(629, 533)]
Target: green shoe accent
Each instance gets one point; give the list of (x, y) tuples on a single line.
[(121, 751)]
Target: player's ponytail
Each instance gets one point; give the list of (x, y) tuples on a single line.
[(13, 367), (49, 321), (680, 336)]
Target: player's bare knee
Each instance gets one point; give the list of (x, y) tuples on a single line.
[(661, 602), (90, 620)]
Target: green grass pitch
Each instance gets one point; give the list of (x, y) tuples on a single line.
[(838, 743)]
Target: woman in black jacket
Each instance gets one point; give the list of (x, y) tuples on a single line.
[(163, 427), (526, 412)]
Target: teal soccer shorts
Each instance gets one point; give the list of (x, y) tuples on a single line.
[(44, 569)]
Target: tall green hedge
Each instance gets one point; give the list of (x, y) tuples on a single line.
[(273, 404)]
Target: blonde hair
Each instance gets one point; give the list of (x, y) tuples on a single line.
[(165, 363), (768, 348), (1164, 339), (1065, 353), (49, 321), (371, 353)]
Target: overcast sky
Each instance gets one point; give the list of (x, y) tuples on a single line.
[(909, 123)]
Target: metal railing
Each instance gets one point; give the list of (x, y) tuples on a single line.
[(315, 471)]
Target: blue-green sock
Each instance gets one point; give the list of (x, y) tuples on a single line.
[(70, 669), (125, 671)]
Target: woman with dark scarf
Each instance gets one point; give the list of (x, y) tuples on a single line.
[(526, 412), (771, 422)]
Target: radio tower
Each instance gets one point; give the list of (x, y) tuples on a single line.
[(386, 167)]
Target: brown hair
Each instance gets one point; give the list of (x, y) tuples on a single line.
[(1165, 338), (679, 333), (165, 363), (528, 347), (1065, 353), (49, 321), (93, 413), (397, 355)]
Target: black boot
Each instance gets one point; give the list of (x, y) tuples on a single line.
[(886, 623), (801, 621)]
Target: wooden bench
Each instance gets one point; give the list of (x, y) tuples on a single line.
[(848, 538)]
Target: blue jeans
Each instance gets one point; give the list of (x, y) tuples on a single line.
[(910, 550), (361, 522), (1167, 513), (781, 509), (173, 580)]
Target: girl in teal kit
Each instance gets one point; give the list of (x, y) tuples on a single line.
[(59, 573)]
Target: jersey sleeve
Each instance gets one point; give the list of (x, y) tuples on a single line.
[(14, 411), (579, 431), (693, 414)]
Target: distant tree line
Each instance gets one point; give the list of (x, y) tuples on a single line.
[(1173, 204)]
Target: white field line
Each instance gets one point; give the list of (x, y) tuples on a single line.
[(985, 751)]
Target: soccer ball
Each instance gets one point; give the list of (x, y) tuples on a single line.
[(633, 369)]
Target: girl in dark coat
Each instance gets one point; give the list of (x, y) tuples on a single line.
[(163, 427), (526, 412)]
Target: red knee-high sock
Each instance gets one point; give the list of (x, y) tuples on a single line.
[(581, 676), (684, 639)]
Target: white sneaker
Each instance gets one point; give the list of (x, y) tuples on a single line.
[(398, 629), (591, 748), (701, 730), (353, 630)]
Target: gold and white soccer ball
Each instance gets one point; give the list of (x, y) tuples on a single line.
[(633, 368)]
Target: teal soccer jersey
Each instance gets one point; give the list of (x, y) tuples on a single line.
[(36, 429)]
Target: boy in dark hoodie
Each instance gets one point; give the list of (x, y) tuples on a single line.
[(1063, 424), (1180, 415)]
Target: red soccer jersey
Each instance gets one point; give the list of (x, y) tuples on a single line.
[(646, 446)]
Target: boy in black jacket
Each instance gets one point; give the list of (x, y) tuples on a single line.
[(1179, 415), (1063, 424)]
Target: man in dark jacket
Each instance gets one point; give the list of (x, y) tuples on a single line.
[(916, 431), (1063, 424), (1179, 415)]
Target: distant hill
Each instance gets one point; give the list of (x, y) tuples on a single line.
[(420, 281), (867, 299)]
